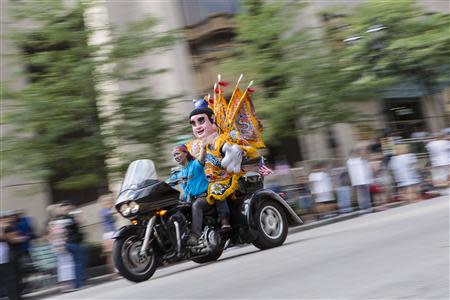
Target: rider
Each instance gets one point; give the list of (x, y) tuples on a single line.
[(195, 186)]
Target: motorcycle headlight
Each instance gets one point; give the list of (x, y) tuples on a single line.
[(134, 207), (125, 210)]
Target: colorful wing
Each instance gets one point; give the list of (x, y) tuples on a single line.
[(219, 107), (242, 118)]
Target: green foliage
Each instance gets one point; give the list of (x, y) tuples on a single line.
[(55, 131), (56, 124), (307, 79), (414, 44), (296, 76)]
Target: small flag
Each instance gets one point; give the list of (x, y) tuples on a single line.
[(263, 169)]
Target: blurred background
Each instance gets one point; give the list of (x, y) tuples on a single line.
[(88, 86)]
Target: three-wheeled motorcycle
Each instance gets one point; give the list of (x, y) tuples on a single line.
[(160, 224)]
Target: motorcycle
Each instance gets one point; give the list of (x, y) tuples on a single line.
[(160, 224)]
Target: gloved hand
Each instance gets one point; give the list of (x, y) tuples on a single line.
[(232, 159)]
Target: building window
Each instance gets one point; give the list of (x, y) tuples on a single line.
[(195, 11), (404, 116)]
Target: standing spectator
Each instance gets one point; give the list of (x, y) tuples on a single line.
[(403, 166), (343, 188), (305, 201), (387, 143), (57, 238), (107, 213), (322, 190), (18, 258), (361, 178), (380, 188), (439, 150), (74, 239), (23, 225), (8, 236)]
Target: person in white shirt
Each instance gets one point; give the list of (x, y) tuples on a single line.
[(439, 151), (322, 190), (361, 178), (343, 188), (403, 166)]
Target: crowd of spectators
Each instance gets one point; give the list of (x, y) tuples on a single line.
[(371, 176), (58, 252)]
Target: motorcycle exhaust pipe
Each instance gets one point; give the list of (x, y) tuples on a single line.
[(177, 231), (148, 232)]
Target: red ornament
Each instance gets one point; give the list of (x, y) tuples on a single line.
[(218, 91), (251, 90), (223, 83)]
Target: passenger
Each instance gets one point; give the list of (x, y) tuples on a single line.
[(195, 187)]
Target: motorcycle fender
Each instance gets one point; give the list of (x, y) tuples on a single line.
[(126, 230), (250, 206)]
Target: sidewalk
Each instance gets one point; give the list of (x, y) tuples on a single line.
[(307, 226)]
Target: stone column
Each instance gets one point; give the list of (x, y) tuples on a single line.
[(97, 20)]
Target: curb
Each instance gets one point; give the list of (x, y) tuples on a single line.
[(56, 291)]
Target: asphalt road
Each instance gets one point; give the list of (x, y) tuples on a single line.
[(398, 253)]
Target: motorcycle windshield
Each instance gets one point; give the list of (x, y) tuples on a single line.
[(140, 173)]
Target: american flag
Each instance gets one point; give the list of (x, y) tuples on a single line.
[(263, 169)]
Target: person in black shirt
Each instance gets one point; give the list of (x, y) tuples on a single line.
[(9, 237), (74, 243)]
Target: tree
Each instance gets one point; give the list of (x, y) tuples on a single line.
[(297, 77), (311, 77), (56, 125), (398, 40)]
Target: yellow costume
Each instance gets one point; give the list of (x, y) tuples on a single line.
[(237, 125)]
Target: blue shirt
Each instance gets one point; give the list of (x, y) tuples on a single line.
[(195, 182)]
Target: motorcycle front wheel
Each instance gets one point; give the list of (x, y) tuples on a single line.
[(130, 263)]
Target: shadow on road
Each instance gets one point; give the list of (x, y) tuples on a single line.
[(201, 265)]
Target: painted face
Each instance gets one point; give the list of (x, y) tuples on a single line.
[(202, 127), (179, 156)]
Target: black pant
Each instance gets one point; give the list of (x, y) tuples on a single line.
[(8, 281), (198, 207)]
